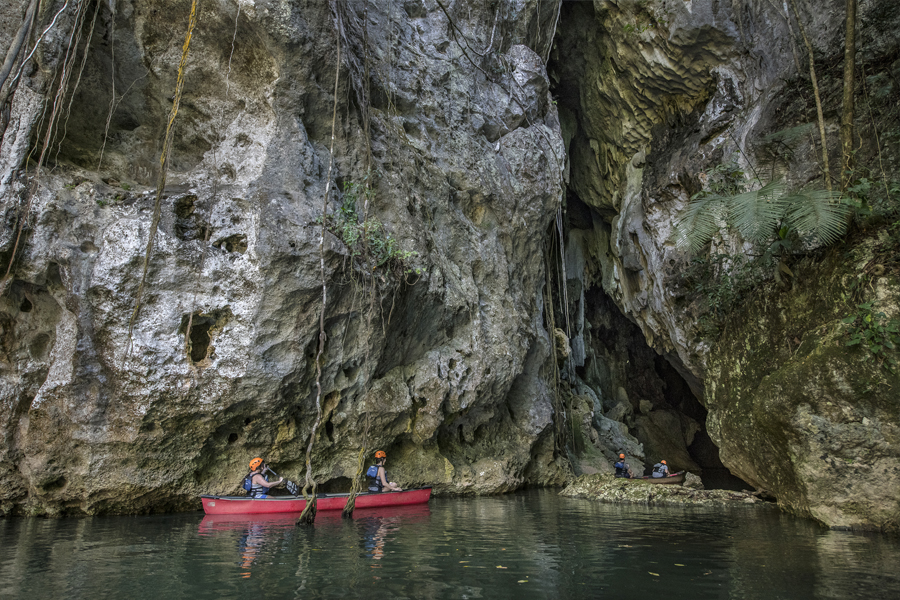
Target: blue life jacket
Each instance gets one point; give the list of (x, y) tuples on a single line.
[(256, 490), (375, 484), (621, 468)]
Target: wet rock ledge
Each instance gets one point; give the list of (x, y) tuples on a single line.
[(604, 487)]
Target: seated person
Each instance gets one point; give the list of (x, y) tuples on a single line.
[(259, 485), (378, 476), (660, 469), (623, 469)]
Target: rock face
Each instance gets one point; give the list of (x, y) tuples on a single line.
[(796, 412), (652, 96), (483, 339), (442, 368)]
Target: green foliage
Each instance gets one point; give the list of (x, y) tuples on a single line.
[(772, 218), (722, 280), (874, 198), (758, 215), (645, 18), (370, 246), (873, 331)]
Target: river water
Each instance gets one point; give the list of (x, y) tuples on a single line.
[(527, 545)]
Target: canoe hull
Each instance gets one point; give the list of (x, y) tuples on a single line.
[(242, 505), (676, 479)]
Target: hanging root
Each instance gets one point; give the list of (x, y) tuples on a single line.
[(62, 90), (215, 180), (164, 165), (308, 516)]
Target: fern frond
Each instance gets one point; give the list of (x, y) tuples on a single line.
[(700, 221), (820, 213), (757, 214)]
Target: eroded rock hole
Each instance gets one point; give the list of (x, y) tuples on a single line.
[(204, 327), (26, 305), (56, 484), (646, 393), (232, 438), (329, 430), (188, 225), (233, 243)]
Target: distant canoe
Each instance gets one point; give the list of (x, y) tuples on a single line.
[(671, 479), (244, 505)]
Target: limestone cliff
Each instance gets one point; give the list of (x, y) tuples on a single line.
[(654, 95), (443, 366), (525, 162)]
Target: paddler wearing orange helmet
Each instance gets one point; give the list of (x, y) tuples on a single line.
[(378, 476), (661, 469), (259, 486), (623, 469)]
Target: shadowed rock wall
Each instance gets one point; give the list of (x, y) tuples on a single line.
[(654, 94)]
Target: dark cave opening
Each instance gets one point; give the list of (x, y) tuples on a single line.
[(660, 407)]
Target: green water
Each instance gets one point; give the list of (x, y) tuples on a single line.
[(529, 545)]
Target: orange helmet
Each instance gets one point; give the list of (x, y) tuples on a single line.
[(663, 462), (255, 463), (381, 454), (621, 456)]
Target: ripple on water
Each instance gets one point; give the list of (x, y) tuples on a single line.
[(528, 545)]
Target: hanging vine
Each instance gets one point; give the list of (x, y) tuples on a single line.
[(163, 167), (215, 181), (62, 91), (308, 516)]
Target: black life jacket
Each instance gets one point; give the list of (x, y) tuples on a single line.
[(621, 469), (660, 470)]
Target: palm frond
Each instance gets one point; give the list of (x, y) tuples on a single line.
[(820, 213), (756, 214), (788, 136), (700, 221)]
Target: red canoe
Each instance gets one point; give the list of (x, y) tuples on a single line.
[(674, 478), (244, 505)]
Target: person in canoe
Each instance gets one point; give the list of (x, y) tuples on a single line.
[(623, 469), (259, 485), (661, 469), (378, 476)]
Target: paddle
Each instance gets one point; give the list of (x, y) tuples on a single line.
[(290, 485)]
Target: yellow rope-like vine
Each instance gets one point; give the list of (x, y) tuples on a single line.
[(163, 166)]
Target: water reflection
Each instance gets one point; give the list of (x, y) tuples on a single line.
[(533, 545)]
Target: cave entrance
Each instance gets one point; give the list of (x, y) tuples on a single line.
[(647, 393), (655, 398)]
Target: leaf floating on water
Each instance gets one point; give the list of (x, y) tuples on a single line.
[(678, 565), (523, 581), (625, 546), (464, 561), (501, 567), (654, 574)]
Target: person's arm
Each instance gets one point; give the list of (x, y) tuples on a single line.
[(262, 481), (384, 482)]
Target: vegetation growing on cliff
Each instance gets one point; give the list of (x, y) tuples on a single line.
[(370, 245)]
